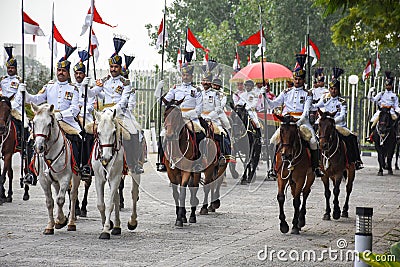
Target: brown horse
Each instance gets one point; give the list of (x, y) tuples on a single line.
[(334, 164), (293, 167)]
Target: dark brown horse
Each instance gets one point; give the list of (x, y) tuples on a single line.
[(8, 143), (179, 159), (334, 161), (293, 166)]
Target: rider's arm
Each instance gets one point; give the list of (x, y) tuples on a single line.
[(73, 109), (341, 116), (276, 102), (38, 98), (199, 103)]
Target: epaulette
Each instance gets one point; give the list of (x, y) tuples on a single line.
[(198, 89), (3, 77), (287, 90), (19, 78), (51, 82), (75, 87), (103, 80), (41, 91), (326, 97), (133, 90), (342, 100), (125, 82)]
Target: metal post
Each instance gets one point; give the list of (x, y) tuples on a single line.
[(353, 80), (363, 236)]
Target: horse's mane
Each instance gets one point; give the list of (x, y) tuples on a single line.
[(6, 100)]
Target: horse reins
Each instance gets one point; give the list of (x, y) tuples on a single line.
[(291, 166), (326, 159), (8, 132)]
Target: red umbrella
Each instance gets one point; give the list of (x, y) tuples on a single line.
[(273, 72)]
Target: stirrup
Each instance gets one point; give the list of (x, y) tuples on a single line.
[(318, 172), (138, 169), (29, 178), (161, 167), (272, 173), (221, 161)]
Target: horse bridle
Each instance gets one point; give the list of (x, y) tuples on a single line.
[(324, 152), (291, 166), (116, 145)]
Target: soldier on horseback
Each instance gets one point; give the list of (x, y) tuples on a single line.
[(333, 103), (386, 99), (9, 86), (318, 92), (297, 102)]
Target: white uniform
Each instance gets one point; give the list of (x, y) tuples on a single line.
[(297, 103), (192, 105), (221, 112), (236, 97), (318, 93), (9, 88), (250, 98), (211, 102), (89, 103), (386, 99), (65, 98), (116, 90), (129, 119), (334, 104)]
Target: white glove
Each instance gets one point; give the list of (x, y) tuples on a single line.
[(86, 81), (58, 116), (262, 90), (157, 92), (22, 87), (371, 92)]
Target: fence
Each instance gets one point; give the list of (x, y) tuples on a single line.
[(360, 109)]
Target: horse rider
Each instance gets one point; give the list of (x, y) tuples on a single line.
[(117, 91), (240, 90), (332, 102), (192, 105), (387, 99), (297, 102), (250, 98), (318, 92), (65, 98), (9, 87), (80, 75)]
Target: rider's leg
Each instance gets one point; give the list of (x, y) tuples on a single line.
[(76, 148), (86, 171), (314, 151)]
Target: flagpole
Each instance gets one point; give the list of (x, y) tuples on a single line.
[(52, 45), (94, 76), (162, 78), (23, 156), (308, 54), (186, 39), (86, 86), (265, 93)]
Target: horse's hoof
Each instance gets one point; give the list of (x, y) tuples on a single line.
[(132, 226), (396, 167), (61, 225), (326, 217), (192, 219), (211, 208), (83, 213), (390, 172), (104, 236), (116, 231), (216, 204), (295, 231), (25, 197), (203, 211), (121, 205), (284, 227), (336, 215), (380, 173), (9, 199), (302, 222), (71, 227), (243, 182), (184, 219), (48, 232), (179, 223), (111, 224), (78, 212), (345, 214)]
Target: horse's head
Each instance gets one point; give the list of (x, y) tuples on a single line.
[(385, 121), (288, 136), (239, 118), (327, 128), (173, 120), (5, 114), (43, 125), (107, 134)]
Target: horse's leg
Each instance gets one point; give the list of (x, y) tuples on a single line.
[(336, 190), (396, 166), (284, 227), (100, 182), (306, 193), (108, 225), (8, 168), (132, 223), (215, 195), (327, 215), (389, 158), (204, 208), (182, 197), (61, 188), (194, 201), (381, 159), (46, 186), (85, 197), (349, 187), (175, 194), (75, 180), (255, 158), (2, 189), (296, 190), (121, 193), (116, 228)]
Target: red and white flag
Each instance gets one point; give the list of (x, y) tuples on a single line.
[(95, 17), (161, 34), (192, 42), (94, 46), (377, 64), (58, 39), (254, 39), (179, 60), (314, 52), (367, 71), (236, 62), (32, 27)]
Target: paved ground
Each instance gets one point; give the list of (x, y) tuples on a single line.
[(238, 234)]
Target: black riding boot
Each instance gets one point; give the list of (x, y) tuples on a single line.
[(315, 163), (160, 165), (86, 171), (137, 152), (272, 172), (30, 177)]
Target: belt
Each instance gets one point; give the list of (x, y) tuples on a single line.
[(101, 107), (206, 112), (295, 113), (186, 109), (383, 106)]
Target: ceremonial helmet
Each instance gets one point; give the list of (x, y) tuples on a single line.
[(83, 55), (63, 62)]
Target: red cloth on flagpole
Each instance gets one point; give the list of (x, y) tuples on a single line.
[(254, 39), (58, 37), (192, 39), (97, 18)]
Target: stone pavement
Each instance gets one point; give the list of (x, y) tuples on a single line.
[(238, 234)]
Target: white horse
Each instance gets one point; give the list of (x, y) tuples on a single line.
[(108, 162), (54, 166)]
